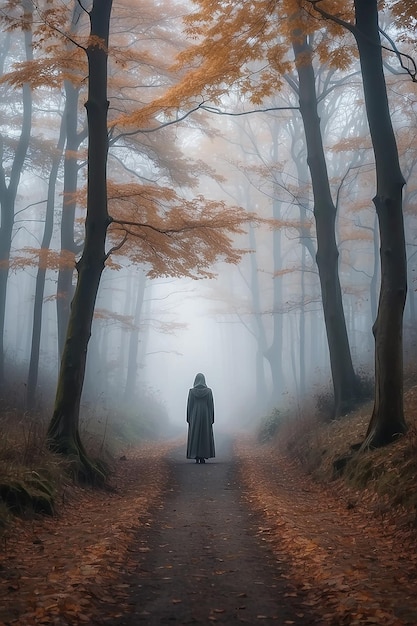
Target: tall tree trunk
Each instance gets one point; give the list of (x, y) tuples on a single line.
[(132, 361), (146, 315), (261, 345), (294, 341), (68, 133), (63, 432), (275, 350), (303, 324), (69, 249), (387, 420), (345, 382), (8, 192), (307, 246), (41, 273), (375, 271)]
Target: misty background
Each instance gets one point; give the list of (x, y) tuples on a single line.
[(226, 327)]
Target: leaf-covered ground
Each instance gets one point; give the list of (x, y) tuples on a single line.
[(357, 564), (65, 569), (246, 539)]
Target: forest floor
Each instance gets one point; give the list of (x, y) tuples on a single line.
[(247, 537)]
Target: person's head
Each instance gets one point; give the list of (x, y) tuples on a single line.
[(199, 380)]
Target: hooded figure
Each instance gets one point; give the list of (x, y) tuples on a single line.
[(200, 418)]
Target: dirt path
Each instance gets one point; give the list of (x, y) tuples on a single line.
[(201, 562), (247, 538)]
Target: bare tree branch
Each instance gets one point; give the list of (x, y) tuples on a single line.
[(412, 72), (199, 107)]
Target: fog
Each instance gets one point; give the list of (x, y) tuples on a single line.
[(210, 344), (256, 328)]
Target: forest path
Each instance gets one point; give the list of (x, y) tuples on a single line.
[(200, 562), (247, 537)]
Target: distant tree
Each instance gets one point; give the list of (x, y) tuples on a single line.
[(41, 271), (308, 245), (69, 137), (133, 348), (12, 158), (275, 350), (69, 247), (235, 38)]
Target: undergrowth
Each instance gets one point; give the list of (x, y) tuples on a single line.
[(33, 478), (389, 473), (30, 474), (269, 426)]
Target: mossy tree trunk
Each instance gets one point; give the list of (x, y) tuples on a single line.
[(387, 420), (63, 432)]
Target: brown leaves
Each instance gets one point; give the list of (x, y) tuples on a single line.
[(345, 562), (43, 258), (172, 235), (84, 547)]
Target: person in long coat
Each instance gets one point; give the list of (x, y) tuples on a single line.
[(200, 418)]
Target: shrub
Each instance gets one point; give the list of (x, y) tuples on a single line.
[(269, 426)]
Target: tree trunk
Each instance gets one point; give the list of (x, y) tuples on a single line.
[(41, 274), (68, 133), (302, 325), (65, 290), (307, 246), (63, 432), (132, 362), (387, 420), (345, 382), (275, 350), (8, 192), (69, 249), (375, 271), (259, 332)]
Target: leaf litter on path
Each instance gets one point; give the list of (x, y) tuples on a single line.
[(68, 566), (356, 568), (351, 567)]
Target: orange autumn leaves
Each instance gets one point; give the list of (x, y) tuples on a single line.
[(352, 571)]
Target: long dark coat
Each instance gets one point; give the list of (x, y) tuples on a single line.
[(200, 418)]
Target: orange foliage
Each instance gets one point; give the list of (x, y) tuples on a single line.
[(169, 234), (125, 321), (245, 45), (283, 272), (405, 12), (43, 258), (172, 235)]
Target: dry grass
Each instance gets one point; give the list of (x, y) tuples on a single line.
[(387, 476), (31, 476)]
